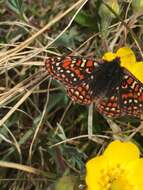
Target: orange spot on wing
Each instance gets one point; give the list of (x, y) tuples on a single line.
[(136, 88), (141, 97), (89, 63), (130, 94), (124, 96), (80, 88), (127, 95), (78, 63), (83, 93), (78, 73), (88, 97), (114, 105), (109, 104), (130, 81), (67, 62)]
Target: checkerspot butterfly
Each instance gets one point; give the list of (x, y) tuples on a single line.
[(115, 91)]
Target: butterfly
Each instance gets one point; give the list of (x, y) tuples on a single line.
[(115, 91)]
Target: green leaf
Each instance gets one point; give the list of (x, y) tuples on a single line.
[(66, 183), (85, 20), (16, 6)]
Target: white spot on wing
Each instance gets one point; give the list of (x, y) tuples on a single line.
[(74, 79), (83, 62), (81, 97), (72, 75), (77, 93), (57, 64)]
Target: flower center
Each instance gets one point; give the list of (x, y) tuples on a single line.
[(114, 179)]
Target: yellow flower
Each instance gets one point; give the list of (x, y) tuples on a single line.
[(128, 61), (119, 168)]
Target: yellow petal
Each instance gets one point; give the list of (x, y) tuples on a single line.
[(121, 184), (137, 71), (121, 152), (94, 169), (128, 61), (109, 56), (135, 173), (127, 57)]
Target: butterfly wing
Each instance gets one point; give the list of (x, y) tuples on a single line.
[(132, 95), (70, 70), (84, 77), (81, 93), (109, 107), (127, 99)]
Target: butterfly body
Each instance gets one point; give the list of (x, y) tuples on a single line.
[(113, 89)]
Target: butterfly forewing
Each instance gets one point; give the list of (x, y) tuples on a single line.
[(70, 70)]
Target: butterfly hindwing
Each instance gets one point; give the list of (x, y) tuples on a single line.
[(132, 95), (127, 99), (110, 106), (81, 93)]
